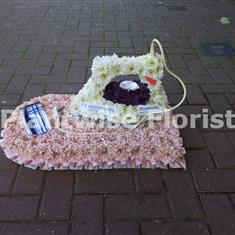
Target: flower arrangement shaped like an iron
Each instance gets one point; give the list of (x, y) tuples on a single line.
[(119, 119)]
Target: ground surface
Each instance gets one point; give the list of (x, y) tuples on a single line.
[(47, 46)]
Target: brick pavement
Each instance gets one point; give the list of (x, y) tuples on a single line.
[(48, 46)]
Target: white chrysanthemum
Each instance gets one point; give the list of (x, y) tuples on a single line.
[(156, 96), (155, 99), (115, 66), (100, 68), (151, 62), (129, 116), (129, 67)]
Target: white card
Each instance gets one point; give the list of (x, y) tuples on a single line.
[(86, 107), (147, 109)]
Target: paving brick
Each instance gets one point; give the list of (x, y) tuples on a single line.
[(184, 73), (5, 163), (136, 207), (59, 187), (171, 86), (215, 180), (110, 36), (196, 67), (81, 63), (149, 181), (219, 75), (6, 181), (87, 215), (192, 138), (174, 99), (124, 42), (177, 61), (65, 49), (125, 51), (21, 46), (221, 149), (213, 88), (82, 47), (17, 84), (181, 41), (233, 107), (219, 103), (57, 228), (177, 228), (189, 51), (18, 208), (77, 74), (6, 74), (188, 110), (61, 68), (195, 95), (199, 159), (232, 196), (124, 228), (2, 88), (28, 181), (43, 80), (33, 90), (112, 181), (225, 62), (209, 61), (33, 52), (12, 55), (197, 79), (71, 56), (1, 61), (183, 198), (176, 8), (9, 99), (64, 88), (31, 70), (95, 51), (140, 48), (230, 72), (46, 59), (220, 213), (231, 136), (231, 98)]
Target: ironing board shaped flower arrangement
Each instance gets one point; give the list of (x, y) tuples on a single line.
[(69, 144)]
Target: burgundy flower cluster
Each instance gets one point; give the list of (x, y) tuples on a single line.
[(116, 94)]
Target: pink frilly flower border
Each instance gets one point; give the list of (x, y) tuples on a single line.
[(86, 165), (15, 141)]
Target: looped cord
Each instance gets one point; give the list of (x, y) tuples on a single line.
[(152, 52)]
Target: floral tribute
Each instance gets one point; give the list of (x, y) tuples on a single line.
[(81, 134)]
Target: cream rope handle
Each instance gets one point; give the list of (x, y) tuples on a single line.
[(152, 52)]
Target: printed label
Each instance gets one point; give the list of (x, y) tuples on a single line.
[(98, 108), (147, 109), (35, 120)]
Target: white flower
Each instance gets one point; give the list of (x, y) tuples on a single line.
[(129, 85), (115, 70), (129, 116), (151, 62)]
